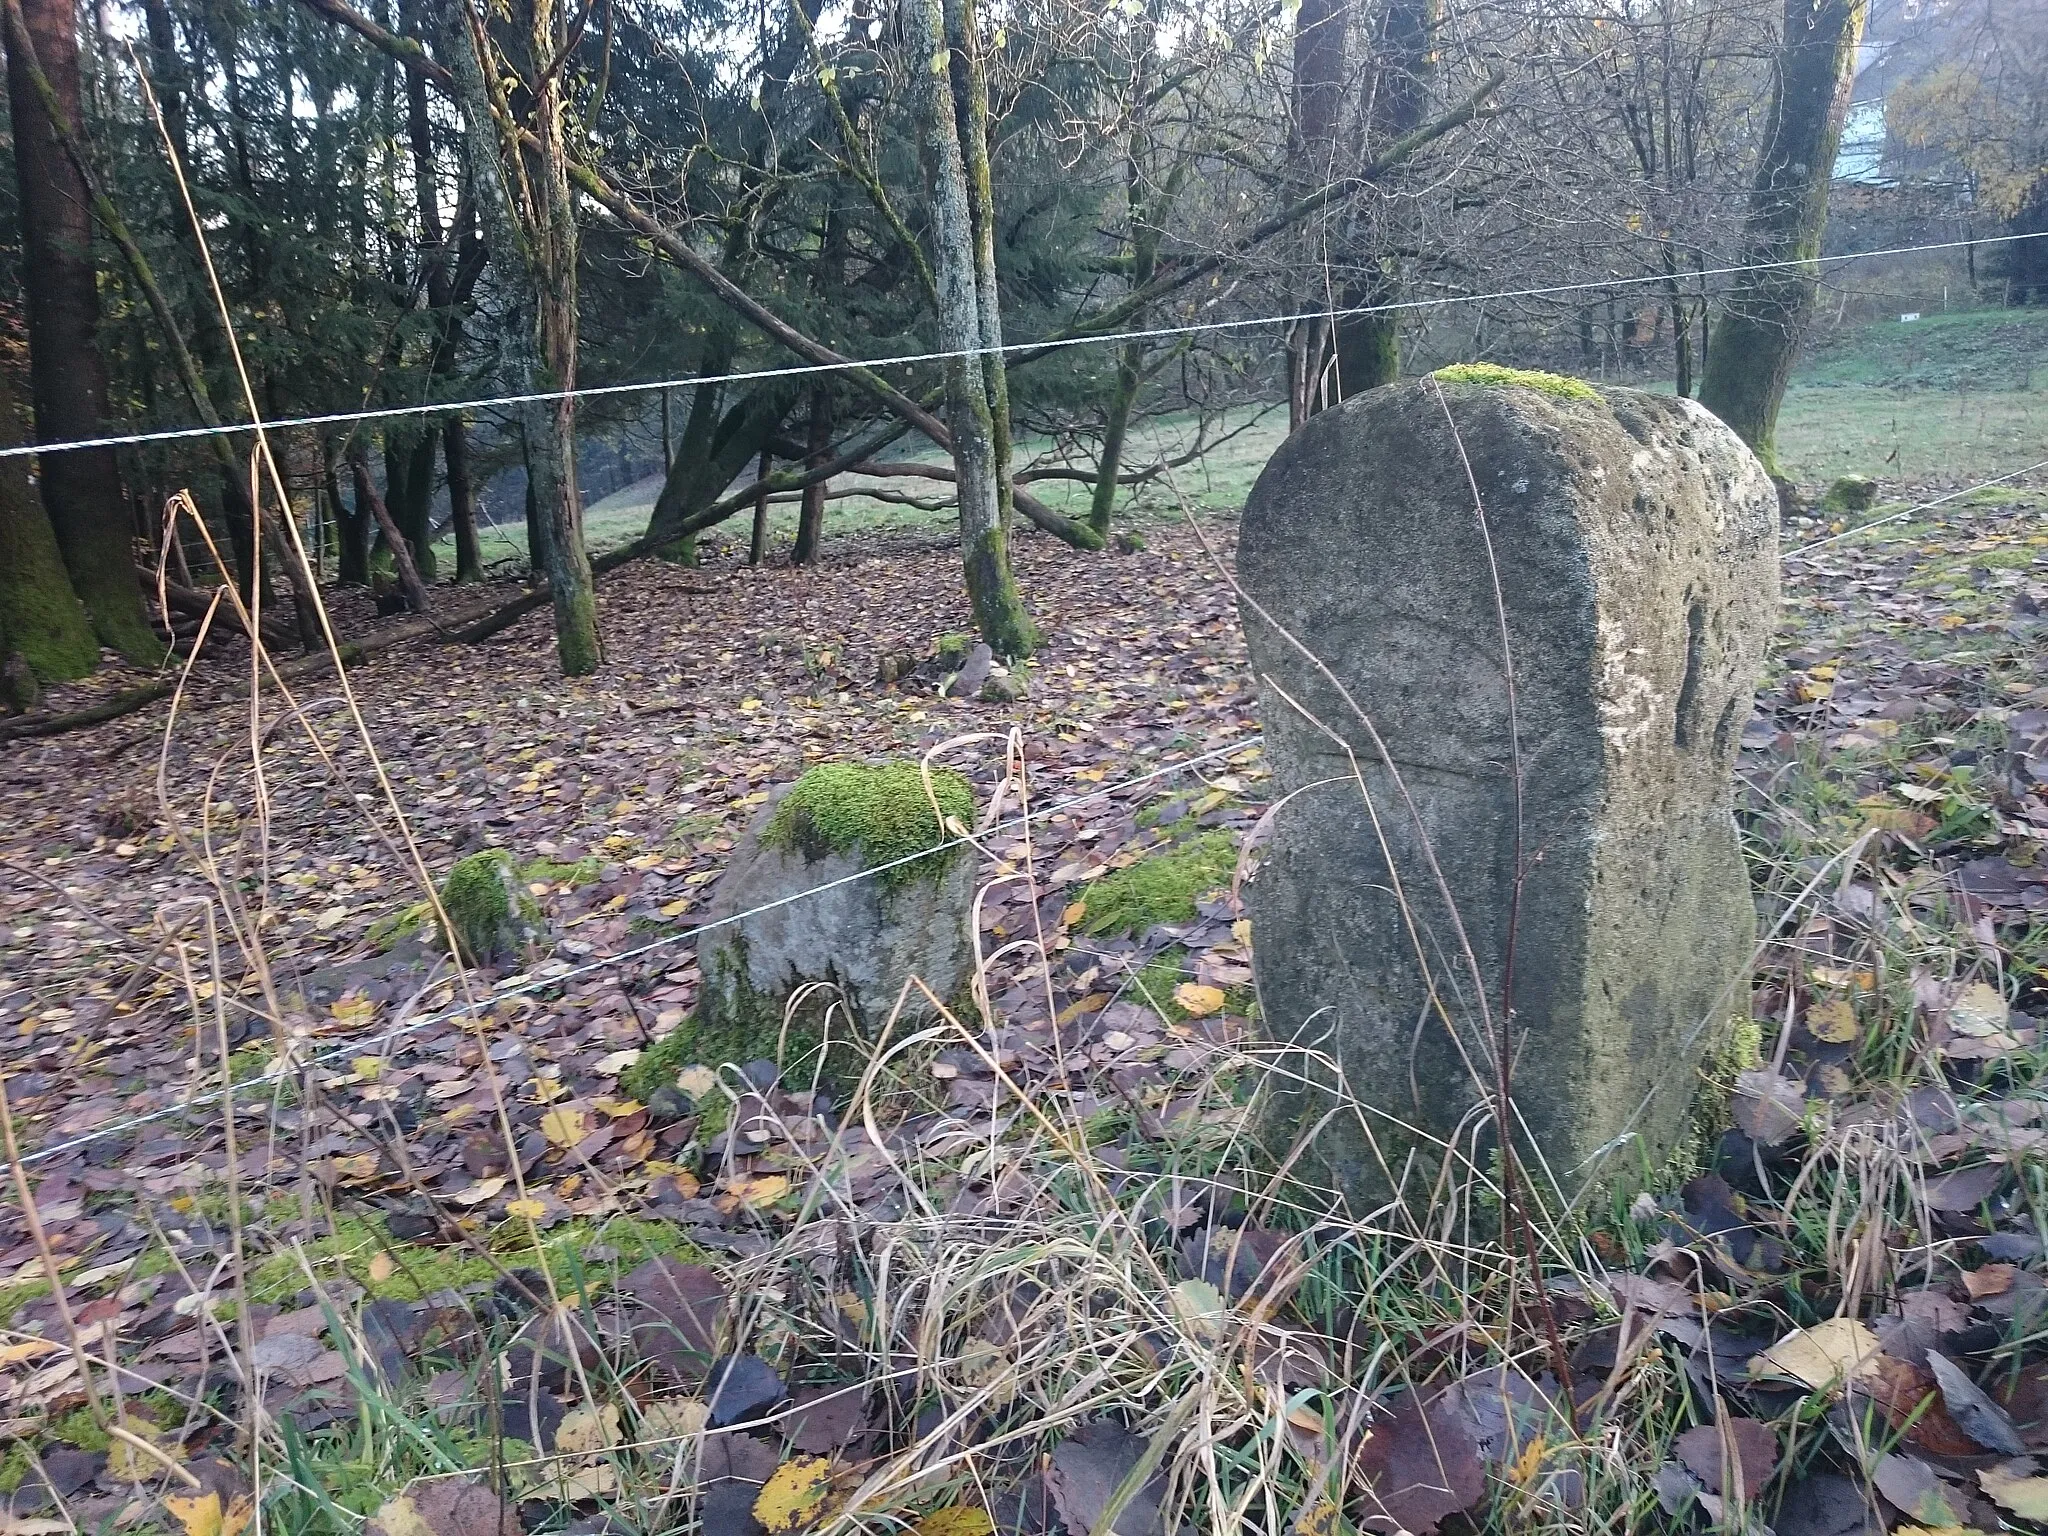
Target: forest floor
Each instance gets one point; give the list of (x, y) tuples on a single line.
[(367, 1235)]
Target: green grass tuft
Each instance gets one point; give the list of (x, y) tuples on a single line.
[(1161, 889), (1494, 375), (880, 813)]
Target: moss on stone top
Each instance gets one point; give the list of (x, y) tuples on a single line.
[(486, 905), (1160, 889), (881, 814), (1554, 384)]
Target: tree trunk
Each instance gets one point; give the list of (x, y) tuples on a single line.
[(999, 610), (352, 525), (40, 616), (469, 560), (1369, 345), (81, 489), (810, 522), (530, 225), (757, 546), (409, 581), (1757, 339), (1318, 93)]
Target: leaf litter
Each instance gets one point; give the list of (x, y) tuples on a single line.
[(1903, 714)]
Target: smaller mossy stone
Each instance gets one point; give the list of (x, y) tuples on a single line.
[(1850, 493), (1555, 384), (949, 651), (489, 910), (878, 814), (1159, 889)]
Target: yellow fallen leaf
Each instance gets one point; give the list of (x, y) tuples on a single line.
[(1824, 1355), (955, 1520), (2016, 1491), (1832, 1021), (748, 706), (794, 1496), (1241, 930), (586, 1431), (368, 1068), (480, 1191), (382, 1267), (1072, 914), (1526, 1467), (1197, 999), (202, 1515), (528, 1209), (672, 1418), (29, 1349), (765, 1190), (564, 1127)]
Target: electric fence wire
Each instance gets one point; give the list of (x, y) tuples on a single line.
[(905, 359)]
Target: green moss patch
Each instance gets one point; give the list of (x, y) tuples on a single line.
[(796, 1049), (1553, 384), (487, 906), (1161, 889), (881, 814), (420, 1270), (1849, 493), (552, 872)]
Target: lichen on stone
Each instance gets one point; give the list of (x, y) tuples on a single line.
[(1159, 889), (879, 814), (488, 909), (1553, 384)]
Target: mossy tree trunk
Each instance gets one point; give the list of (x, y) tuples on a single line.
[(1757, 339), (979, 450), (81, 490), (40, 616)]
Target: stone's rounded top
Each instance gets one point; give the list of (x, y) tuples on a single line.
[(1554, 384), (878, 813)]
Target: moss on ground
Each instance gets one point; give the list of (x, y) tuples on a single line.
[(551, 872), (486, 904), (1553, 384), (795, 1049), (1160, 889), (1849, 493), (420, 1270), (14, 1468), (882, 814)]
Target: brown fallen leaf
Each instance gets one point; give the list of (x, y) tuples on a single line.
[(1419, 1464), (1707, 1449)]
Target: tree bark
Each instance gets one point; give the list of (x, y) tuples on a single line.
[(1757, 339), (40, 616), (999, 610), (409, 581), (352, 525), (810, 520), (469, 560), (81, 489), (757, 545), (1312, 153)]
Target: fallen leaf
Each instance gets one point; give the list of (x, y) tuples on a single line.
[(382, 1267), (1912, 1486), (1978, 1010), (1768, 1106), (1705, 1450), (1089, 1472), (586, 1431), (564, 1127), (955, 1520), (1420, 1465), (445, 1507), (741, 1387), (1981, 1419), (1197, 1000), (2014, 1488), (526, 1209), (480, 1191), (1832, 1021), (1824, 1355), (202, 1514), (795, 1496)]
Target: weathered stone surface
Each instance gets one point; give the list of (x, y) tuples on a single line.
[(863, 937), (1634, 541)]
